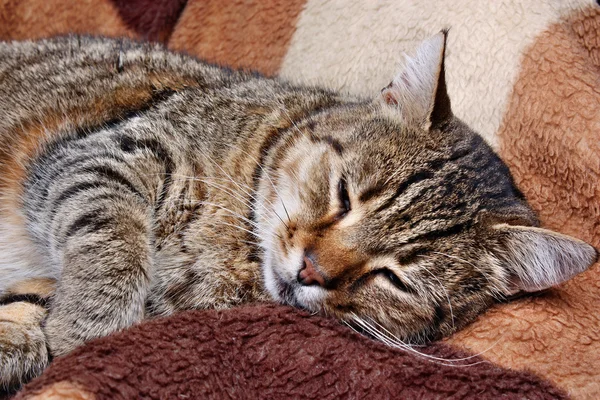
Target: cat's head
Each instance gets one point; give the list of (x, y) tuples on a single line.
[(396, 215)]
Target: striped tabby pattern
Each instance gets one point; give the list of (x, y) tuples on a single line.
[(141, 182)]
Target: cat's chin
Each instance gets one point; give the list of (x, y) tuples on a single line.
[(285, 291), (277, 287)]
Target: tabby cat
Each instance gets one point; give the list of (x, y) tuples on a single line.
[(136, 182)]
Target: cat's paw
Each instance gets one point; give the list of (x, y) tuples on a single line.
[(23, 351)]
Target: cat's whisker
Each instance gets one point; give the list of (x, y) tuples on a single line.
[(287, 114), (221, 207), (258, 202), (250, 206), (250, 191), (295, 177), (262, 240), (374, 332), (485, 275), (274, 189), (238, 227), (235, 195), (392, 176), (284, 209), (387, 338), (399, 344), (482, 352), (240, 216), (249, 221), (411, 348), (207, 179), (445, 292), (259, 166)]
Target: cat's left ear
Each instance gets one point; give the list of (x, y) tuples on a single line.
[(419, 91)]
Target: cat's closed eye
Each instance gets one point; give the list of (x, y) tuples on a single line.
[(395, 280), (344, 198)]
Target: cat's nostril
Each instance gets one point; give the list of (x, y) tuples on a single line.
[(308, 274), (307, 263)]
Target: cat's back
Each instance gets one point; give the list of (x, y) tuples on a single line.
[(89, 79), (51, 87)]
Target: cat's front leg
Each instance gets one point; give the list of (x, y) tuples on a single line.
[(107, 262)]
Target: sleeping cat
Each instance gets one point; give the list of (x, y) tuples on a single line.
[(136, 182)]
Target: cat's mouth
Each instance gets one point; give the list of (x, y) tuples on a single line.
[(294, 294), (285, 291)]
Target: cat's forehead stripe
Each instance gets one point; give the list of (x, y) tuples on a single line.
[(414, 179)]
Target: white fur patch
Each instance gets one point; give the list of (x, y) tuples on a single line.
[(19, 258), (310, 297)]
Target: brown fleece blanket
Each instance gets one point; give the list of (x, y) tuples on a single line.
[(270, 352), (524, 74)]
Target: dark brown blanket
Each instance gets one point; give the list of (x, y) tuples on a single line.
[(270, 352)]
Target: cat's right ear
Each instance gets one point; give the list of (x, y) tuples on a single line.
[(419, 91), (537, 258)]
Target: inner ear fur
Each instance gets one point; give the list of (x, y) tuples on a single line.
[(538, 258), (441, 111), (419, 92)]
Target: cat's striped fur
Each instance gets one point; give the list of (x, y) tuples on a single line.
[(142, 182)]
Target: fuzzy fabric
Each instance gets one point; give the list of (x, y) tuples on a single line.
[(140, 19), (150, 19), (252, 34), (269, 352), (34, 19), (524, 74)]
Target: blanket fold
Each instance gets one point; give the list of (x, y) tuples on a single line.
[(275, 352)]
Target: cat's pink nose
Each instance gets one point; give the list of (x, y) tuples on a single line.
[(309, 275)]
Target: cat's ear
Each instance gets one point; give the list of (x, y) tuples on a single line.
[(538, 258), (419, 91)]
